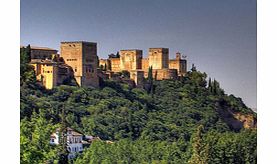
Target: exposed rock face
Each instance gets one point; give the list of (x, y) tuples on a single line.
[(248, 120), (237, 121)]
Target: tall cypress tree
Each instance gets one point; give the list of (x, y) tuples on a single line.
[(27, 73), (156, 75), (197, 156), (28, 53), (150, 74), (150, 80), (63, 156), (193, 68), (105, 67), (214, 87), (117, 55), (210, 87), (25, 55)]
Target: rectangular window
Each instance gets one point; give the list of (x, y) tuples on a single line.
[(71, 59)]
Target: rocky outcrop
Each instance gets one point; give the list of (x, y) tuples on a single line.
[(237, 121), (248, 120)]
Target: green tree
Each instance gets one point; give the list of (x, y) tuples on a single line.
[(117, 55), (34, 140), (193, 68), (27, 73), (25, 55), (199, 151), (63, 152), (210, 85), (150, 81)]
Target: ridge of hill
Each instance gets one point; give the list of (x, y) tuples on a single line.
[(190, 120)]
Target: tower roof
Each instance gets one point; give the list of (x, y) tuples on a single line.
[(39, 48), (78, 42)]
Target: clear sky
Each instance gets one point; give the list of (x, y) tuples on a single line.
[(218, 36)]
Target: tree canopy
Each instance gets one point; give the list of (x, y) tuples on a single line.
[(178, 123)]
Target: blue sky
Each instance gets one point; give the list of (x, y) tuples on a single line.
[(219, 37)]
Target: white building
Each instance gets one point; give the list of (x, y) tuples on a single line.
[(74, 141)]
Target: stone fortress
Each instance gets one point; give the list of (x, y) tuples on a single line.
[(79, 60), (133, 62)]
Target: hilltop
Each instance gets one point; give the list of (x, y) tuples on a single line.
[(185, 120)]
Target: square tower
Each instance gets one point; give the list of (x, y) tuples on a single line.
[(158, 58), (82, 57), (130, 59), (179, 63)]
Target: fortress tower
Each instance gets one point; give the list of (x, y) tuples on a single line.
[(179, 64), (130, 59), (158, 58), (82, 57)]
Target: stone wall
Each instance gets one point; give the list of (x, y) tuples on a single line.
[(162, 74), (46, 73), (115, 64), (158, 58), (41, 52), (49, 73), (130, 59), (145, 64), (82, 57), (137, 76), (179, 64), (105, 64)]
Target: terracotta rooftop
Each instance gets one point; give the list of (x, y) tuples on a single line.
[(73, 131)]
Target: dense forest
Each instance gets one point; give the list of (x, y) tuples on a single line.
[(189, 120)]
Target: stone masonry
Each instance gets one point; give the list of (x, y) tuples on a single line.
[(82, 57)]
